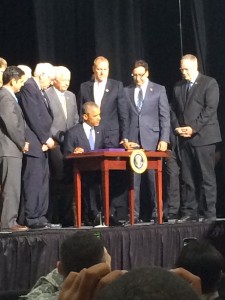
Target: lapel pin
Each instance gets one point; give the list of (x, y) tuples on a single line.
[(107, 90), (151, 89)]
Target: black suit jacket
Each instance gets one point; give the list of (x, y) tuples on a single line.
[(76, 137), (38, 116), (199, 110), (114, 110)]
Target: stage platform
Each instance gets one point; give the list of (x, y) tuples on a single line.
[(24, 257)]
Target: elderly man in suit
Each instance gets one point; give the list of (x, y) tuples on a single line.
[(194, 121), (64, 108), (86, 137), (38, 116), (108, 94), (12, 147), (149, 124)]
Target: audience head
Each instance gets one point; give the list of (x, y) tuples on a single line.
[(91, 113), (202, 259), (101, 68), (3, 66), (81, 250), (27, 70), (62, 78), (140, 72), (13, 78), (44, 73), (153, 283), (189, 67)]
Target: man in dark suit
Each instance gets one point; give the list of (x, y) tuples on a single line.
[(64, 108), (38, 115), (194, 120), (12, 146), (86, 137), (108, 94), (149, 124)]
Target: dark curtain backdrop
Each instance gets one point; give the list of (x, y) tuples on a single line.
[(74, 32)]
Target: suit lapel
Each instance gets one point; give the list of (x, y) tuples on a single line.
[(108, 87), (84, 138), (131, 96), (91, 91)]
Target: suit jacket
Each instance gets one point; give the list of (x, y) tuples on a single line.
[(76, 137), (38, 116), (60, 122), (114, 111), (199, 110), (12, 126), (152, 124)]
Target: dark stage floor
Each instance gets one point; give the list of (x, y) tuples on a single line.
[(24, 257)]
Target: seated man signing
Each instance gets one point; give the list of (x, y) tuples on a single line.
[(86, 137)]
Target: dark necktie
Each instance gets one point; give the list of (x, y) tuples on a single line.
[(45, 99), (140, 100), (91, 139), (188, 87)]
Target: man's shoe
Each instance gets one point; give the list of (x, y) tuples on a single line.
[(18, 227), (53, 226), (113, 221), (172, 218), (207, 220), (185, 219)]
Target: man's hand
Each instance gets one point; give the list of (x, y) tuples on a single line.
[(78, 150), (186, 131), (44, 148), (26, 147), (162, 146), (131, 146), (87, 283), (194, 280), (50, 143)]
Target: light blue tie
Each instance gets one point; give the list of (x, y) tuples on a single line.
[(91, 139)]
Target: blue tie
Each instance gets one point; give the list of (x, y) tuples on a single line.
[(91, 139), (140, 100)]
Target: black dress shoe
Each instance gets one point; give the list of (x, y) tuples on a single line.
[(185, 219), (113, 221)]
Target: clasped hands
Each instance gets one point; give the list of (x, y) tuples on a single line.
[(50, 144), (185, 131)]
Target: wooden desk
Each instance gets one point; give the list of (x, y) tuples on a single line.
[(105, 161)]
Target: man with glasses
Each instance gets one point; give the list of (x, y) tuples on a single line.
[(38, 116), (149, 126), (194, 121)]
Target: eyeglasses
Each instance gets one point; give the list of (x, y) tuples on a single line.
[(138, 75)]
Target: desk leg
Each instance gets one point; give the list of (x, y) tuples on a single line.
[(105, 186), (159, 189), (77, 193), (131, 197)]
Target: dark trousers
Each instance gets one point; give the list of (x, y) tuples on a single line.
[(199, 190), (35, 189), (145, 204), (61, 189), (172, 182)]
